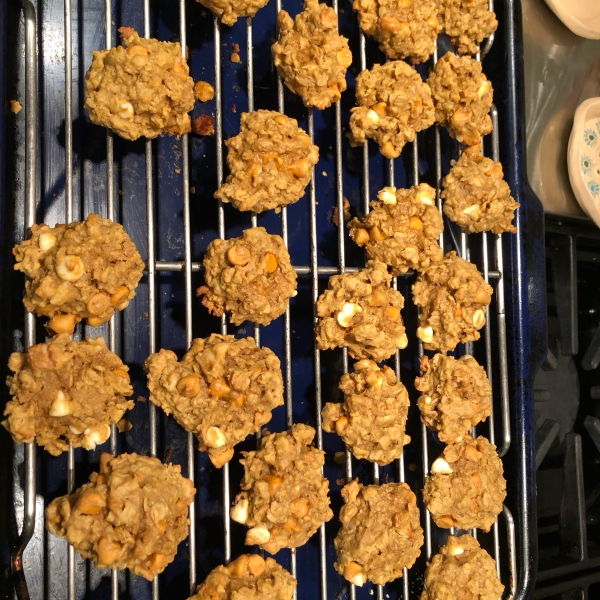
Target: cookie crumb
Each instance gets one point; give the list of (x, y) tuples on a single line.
[(203, 91), (15, 106), (203, 125)]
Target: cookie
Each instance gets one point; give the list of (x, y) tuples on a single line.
[(394, 103), (380, 534), (271, 162), (462, 570), (311, 56), (66, 392), (402, 229), (222, 390), (453, 298), (229, 11), (131, 515), (462, 96), (476, 197), (284, 499), (140, 89), (78, 271), (456, 395), (361, 312), (467, 23), (248, 577), (404, 29), (466, 487), (249, 277), (372, 418)]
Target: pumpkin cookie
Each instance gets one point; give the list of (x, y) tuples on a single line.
[(229, 11), (467, 23)]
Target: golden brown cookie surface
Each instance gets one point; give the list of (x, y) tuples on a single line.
[(380, 533), (222, 390), (311, 56), (466, 487), (140, 89), (402, 229), (131, 515), (66, 392), (394, 103), (271, 162), (78, 271), (284, 499), (372, 418), (467, 22), (249, 277)]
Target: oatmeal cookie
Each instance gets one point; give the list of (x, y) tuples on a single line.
[(66, 391), (462, 96), (467, 23), (404, 29), (140, 89), (229, 11), (372, 418), (223, 390), (456, 395), (360, 311), (249, 277), (402, 229), (271, 162), (248, 577), (476, 197), (311, 56), (393, 104), (131, 515), (466, 487), (380, 533), (285, 494), (453, 297), (78, 271), (462, 570)]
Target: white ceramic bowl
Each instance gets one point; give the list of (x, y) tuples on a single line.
[(584, 158), (582, 17)]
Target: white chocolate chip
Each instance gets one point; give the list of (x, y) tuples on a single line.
[(69, 268), (126, 110), (425, 334), (93, 437), (348, 311), (472, 211), (441, 466), (388, 195), (483, 89), (478, 319), (358, 579), (74, 430), (403, 341), (372, 117), (425, 197), (239, 512), (456, 550), (60, 407), (46, 241), (257, 535), (214, 438)]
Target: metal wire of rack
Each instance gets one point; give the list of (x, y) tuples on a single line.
[(30, 517)]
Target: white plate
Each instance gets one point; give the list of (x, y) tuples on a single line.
[(584, 158), (582, 17)]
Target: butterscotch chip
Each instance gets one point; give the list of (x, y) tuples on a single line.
[(467, 23), (402, 229), (131, 515), (140, 89), (249, 577), (203, 91), (372, 418), (361, 311), (229, 11), (403, 28), (271, 162), (86, 270), (284, 499), (249, 277), (462, 570), (380, 533), (453, 298), (456, 395), (476, 197), (394, 103), (66, 392), (222, 390), (466, 487), (311, 56), (462, 96)]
